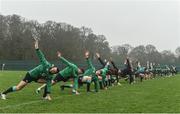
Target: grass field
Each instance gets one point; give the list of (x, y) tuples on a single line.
[(157, 95)]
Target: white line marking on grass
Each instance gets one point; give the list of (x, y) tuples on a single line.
[(31, 102), (28, 103)]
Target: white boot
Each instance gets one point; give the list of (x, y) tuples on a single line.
[(3, 96), (38, 91), (119, 84)]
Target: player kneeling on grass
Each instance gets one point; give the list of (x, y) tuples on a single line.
[(90, 75), (71, 71), (41, 74)]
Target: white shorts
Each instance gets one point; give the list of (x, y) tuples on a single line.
[(86, 78)]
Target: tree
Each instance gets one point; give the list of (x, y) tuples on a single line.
[(139, 54), (17, 36), (178, 51), (167, 57)]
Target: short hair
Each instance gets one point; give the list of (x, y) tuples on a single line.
[(54, 67), (57, 69), (82, 70), (99, 71)]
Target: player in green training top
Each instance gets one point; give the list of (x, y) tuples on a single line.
[(42, 74), (140, 71), (102, 73), (71, 71), (90, 75)]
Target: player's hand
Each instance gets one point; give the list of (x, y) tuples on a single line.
[(98, 55), (108, 63), (48, 97), (111, 59), (36, 44), (87, 54), (125, 62), (58, 53)]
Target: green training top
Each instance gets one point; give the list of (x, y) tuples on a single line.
[(104, 72), (91, 69), (69, 71), (42, 69)]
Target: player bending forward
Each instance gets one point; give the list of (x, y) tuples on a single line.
[(71, 71), (41, 74), (90, 75)]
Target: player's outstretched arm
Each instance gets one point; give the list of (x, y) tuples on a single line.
[(87, 54), (39, 53), (100, 60), (36, 44), (98, 55), (63, 59), (112, 62), (89, 63)]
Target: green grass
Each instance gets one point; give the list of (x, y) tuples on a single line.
[(151, 96)]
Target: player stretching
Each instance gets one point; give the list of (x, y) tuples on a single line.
[(71, 71), (41, 74), (90, 75)]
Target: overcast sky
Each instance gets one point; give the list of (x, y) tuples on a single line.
[(135, 22)]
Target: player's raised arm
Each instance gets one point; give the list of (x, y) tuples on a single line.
[(112, 62), (107, 64), (87, 54), (36, 44), (63, 59), (88, 60), (39, 53), (59, 54), (98, 55), (100, 60)]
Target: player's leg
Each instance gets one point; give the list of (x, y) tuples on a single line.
[(87, 80), (141, 76), (66, 86), (18, 87), (105, 82), (117, 79), (130, 78), (42, 81), (100, 82), (109, 80), (21, 85), (53, 82), (44, 86), (96, 83)]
